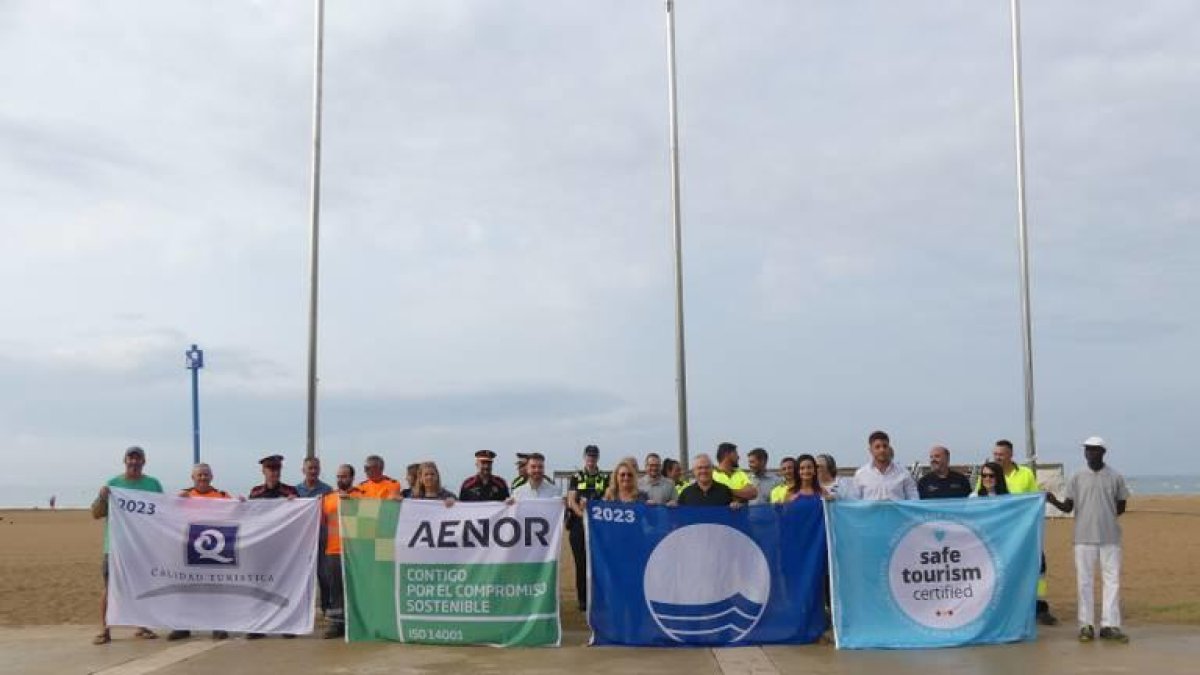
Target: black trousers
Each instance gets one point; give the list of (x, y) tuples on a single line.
[(331, 588), (579, 552), (323, 579)]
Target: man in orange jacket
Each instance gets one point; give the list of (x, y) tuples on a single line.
[(331, 570)]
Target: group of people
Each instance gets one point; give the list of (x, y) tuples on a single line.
[(1097, 495)]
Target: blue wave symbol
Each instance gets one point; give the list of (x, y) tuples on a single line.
[(726, 619)]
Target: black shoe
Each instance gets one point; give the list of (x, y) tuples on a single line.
[(220, 635), (289, 636), (1047, 619), (255, 636), (334, 630), (1113, 634), (179, 634)]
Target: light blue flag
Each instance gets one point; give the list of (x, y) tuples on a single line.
[(938, 573)]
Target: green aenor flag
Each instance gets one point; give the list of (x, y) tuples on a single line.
[(473, 573)]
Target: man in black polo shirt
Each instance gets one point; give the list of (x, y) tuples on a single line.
[(705, 491), (941, 482)]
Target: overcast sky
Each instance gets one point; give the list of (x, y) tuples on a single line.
[(496, 250)]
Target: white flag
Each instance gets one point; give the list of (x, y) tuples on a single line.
[(211, 564)]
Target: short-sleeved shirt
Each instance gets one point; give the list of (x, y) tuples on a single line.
[(384, 488), (1020, 480), (891, 484), (779, 493), (766, 483), (321, 489), (933, 486), (476, 489), (545, 490), (1096, 494), (735, 480), (659, 491), (145, 483), (280, 491), (718, 494)]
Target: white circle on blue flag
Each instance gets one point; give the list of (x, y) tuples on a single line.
[(707, 583), (942, 574)]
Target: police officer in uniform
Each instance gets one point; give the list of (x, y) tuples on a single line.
[(587, 484), (522, 476), (483, 486), (271, 488)]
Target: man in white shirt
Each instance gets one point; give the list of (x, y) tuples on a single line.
[(538, 486), (882, 479)]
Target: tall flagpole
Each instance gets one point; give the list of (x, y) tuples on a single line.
[(677, 232), (1023, 235), (314, 239)]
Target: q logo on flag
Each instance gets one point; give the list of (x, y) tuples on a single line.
[(699, 598), (212, 544)]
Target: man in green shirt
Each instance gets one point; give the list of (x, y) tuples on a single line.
[(132, 479)]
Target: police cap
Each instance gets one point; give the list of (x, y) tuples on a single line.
[(485, 455), (272, 461)]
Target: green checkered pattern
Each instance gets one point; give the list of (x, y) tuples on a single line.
[(369, 559)]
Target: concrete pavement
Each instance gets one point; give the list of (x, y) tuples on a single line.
[(38, 650)]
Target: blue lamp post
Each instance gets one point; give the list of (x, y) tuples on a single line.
[(195, 361)]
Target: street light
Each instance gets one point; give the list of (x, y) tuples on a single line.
[(195, 361)]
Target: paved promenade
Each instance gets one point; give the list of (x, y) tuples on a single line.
[(60, 650)]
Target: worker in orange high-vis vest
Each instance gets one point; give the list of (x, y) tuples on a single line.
[(202, 488), (332, 568), (377, 484)]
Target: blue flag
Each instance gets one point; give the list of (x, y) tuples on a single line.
[(705, 576), (937, 573)]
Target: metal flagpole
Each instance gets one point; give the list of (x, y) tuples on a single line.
[(314, 231), (677, 232), (1023, 235)]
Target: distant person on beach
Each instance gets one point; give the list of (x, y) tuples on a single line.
[(53, 500), (132, 479), (705, 490), (1097, 495), (941, 482), (763, 479), (882, 479), (991, 481), (1022, 480), (377, 485)]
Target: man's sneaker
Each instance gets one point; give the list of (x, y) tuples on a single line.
[(255, 636), (220, 635), (1047, 619), (179, 634), (1087, 634), (1113, 634), (334, 630)]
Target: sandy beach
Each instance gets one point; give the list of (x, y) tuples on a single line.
[(50, 566)]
